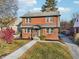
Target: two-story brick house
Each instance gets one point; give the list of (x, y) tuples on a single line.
[(41, 23)]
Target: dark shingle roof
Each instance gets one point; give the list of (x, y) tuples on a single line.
[(41, 14)]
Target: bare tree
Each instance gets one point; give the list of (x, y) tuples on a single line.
[(74, 16), (8, 11)]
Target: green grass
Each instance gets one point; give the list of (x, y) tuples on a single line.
[(47, 51), (9, 48)]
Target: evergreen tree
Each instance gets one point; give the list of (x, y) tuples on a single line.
[(50, 5)]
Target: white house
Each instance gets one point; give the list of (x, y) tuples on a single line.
[(76, 25)]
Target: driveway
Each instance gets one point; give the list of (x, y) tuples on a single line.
[(74, 49)]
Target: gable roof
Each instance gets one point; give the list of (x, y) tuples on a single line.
[(41, 14), (76, 24)]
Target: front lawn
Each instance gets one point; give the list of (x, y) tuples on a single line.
[(47, 51), (8, 48)]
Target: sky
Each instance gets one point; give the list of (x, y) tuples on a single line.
[(66, 7)]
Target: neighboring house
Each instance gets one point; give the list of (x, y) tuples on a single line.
[(11, 23), (65, 28), (16, 28), (76, 25), (41, 23), (19, 27), (15, 25)]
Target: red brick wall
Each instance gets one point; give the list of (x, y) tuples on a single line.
[(38, 20), (42, 20)]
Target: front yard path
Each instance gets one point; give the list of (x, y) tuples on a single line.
[(20, 51)]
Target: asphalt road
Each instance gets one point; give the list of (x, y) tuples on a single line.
[(74, 49)]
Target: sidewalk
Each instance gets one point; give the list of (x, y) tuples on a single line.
[(20, 51)]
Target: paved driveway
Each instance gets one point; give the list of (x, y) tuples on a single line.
[(74, 49)]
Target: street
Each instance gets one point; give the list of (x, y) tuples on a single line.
[(74, 49)]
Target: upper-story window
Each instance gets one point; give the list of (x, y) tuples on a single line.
[(49, 30), (49, 19), (28, 20)]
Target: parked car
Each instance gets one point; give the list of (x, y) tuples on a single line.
[(67, 32)]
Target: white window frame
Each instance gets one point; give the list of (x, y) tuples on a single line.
[(28, 20), (48, 19), (28, 30), (49, 30)]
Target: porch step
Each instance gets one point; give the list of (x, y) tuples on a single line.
[(36, 38)]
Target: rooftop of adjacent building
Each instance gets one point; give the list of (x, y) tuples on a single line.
[(76, 23)]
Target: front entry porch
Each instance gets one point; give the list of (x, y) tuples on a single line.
[(35, 32)]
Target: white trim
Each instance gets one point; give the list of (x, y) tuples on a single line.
[(28, 20), (48, 19), (28, 29), (49, 31), (39, 33), (58, 21), (42, 26)]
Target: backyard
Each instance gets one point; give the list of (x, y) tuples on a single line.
[(6, 48), (44, 50)]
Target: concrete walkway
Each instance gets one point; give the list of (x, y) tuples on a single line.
[(20, 51), (74, 49)]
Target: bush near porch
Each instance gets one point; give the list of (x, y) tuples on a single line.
[(42, 37), (47, 51), (77, 38), (6, 48)]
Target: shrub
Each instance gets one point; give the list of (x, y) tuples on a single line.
[(77, 41), (42, 37), (7, 34), (77, 38)]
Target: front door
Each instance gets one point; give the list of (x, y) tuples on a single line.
[(77, 30), (36, 33)]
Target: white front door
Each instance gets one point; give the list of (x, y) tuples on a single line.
[(36, 33)]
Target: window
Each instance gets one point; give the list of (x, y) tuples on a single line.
[(49, 30), (28, 20), (28, 30), (49, 19), (77, 30), (77, 20)]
